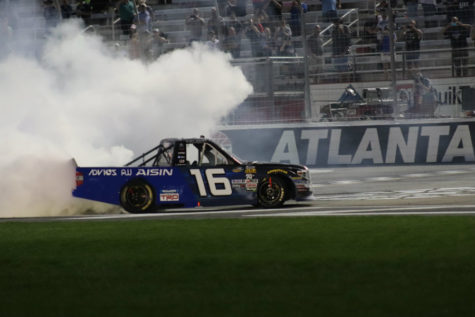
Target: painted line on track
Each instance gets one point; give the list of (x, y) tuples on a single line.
[(346, 182), (451, 172), (420, 210), (417, 175), (382, 179), (189, 212)]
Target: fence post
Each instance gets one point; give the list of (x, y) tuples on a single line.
[(404, 65), (393, 61), (270, 86), (354, 66), (303, 35)]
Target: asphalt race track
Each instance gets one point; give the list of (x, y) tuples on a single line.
[(347, 191)]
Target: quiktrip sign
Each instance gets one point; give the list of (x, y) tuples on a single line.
[(353, 144)]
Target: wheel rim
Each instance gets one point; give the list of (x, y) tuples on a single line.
[(270, 192), (139, 196)]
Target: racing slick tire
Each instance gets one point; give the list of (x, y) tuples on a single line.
[(137, 197), (271, 192)]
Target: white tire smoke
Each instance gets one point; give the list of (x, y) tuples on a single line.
[(77, 99)]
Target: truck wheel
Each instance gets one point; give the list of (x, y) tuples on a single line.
[(137, 197), (271, 192)]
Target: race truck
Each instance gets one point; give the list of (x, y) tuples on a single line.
[(192, 172)]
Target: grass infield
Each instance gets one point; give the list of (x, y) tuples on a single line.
[(335, 266)]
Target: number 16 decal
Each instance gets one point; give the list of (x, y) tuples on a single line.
[(213, 181)]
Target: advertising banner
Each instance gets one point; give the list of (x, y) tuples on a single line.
[(357, 143)]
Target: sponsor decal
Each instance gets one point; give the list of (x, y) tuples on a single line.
[(238, 183), (103, 172), (250, 170), (154, 172), (126, 172), (277, 170), (237, 170), (251, 184), (248, 184), (131, 172), (169, 195)]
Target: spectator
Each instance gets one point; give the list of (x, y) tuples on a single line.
[(425, 96), (266, 43), (66, 9), (195, 24), (50, 12), (135, 49), (149, 9), (430, 9), (259, 23), (341, 43), (283, 40), (295, 17), (412, 37), (386, 50), (126, 14), (315, 42), (83, 10), (263, 20), (458, 32), (157, 44), (329, 9), (232, 42), (411, 6), (231, 8), (341, 38), (383, 21), (212, 42), (274, 12), (143, 19), (370, 30), (215, 22), (235, 23), (315, 47), (254, 32)]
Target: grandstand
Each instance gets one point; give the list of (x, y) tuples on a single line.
[(294, 87)]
